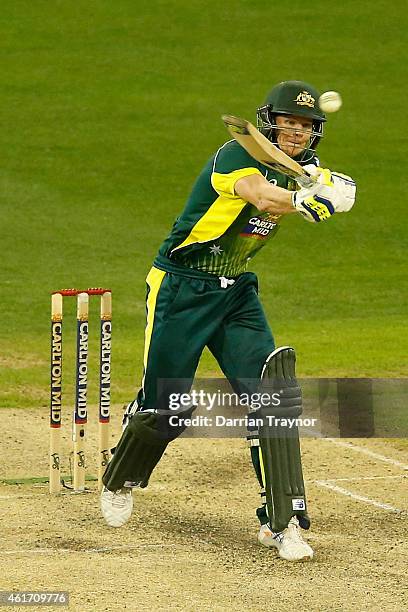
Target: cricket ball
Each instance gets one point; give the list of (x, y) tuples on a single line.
[(330, 101)]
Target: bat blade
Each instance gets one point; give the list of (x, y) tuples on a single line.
[(261, 149)]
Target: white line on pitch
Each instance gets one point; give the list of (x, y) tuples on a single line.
[(130, 547), (366, 451), (358, 478), (347, 493), (16, 496), (53, 551), (34, 551)]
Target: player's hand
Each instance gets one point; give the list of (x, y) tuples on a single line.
[(314, 203), (344, 187), (346, 191)]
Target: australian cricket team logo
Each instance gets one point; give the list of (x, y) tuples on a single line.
[(305, 99)]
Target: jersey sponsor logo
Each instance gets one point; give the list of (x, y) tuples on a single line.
[(258, 227)]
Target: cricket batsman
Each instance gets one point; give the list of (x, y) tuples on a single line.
[(199, 293)]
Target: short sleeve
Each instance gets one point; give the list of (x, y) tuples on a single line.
[(231, 163)]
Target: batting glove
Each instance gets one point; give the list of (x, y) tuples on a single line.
[(333, 192), (344, 194), (346, 191), (314, 203)]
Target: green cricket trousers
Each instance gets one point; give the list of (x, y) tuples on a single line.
[(184, 315)]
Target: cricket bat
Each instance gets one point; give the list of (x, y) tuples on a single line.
[(261, 149)]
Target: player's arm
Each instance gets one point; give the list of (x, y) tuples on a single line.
[(236, 174), (266, 197)]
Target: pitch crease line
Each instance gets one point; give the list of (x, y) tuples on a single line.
[(366, 451), (362, 498), (359, 478), (53, 551), (15, 497)]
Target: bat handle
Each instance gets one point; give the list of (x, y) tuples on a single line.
[(306, 180)]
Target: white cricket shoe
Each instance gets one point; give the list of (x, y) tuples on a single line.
[(290, 544), (116, 506)]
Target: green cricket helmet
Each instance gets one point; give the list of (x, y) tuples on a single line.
[(292, 98)]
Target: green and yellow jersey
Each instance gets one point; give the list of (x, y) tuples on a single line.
[(218, 232)]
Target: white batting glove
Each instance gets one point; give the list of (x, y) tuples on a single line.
[(344, 187), (314, 203), (346, 190)]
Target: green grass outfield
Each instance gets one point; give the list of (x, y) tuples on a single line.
[(107, 113)]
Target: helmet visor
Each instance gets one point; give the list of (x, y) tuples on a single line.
[(295, 138)]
